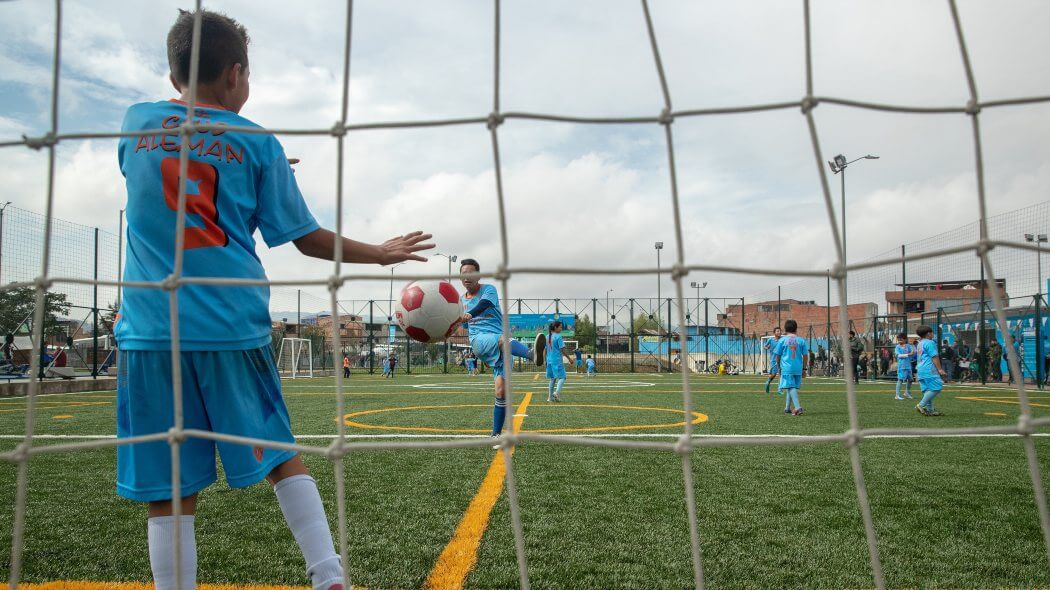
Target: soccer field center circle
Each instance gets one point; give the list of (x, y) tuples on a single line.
[(349, 419)]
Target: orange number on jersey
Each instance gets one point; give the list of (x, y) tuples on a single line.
[(206, 177)]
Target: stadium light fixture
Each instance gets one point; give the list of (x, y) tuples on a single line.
[(839, 164), (451, 258), (1037, 239)]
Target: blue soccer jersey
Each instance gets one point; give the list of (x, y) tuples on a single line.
[(791, 351), (490, 319), (236, 183), (927, 352), (773, 361), (554, 350)]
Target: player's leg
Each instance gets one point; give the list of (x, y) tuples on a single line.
[(499, 408), (898, 395), (244, 398), (557, 388), (550, 389), (145, 406)]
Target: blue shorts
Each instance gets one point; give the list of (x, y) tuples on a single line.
[(471, 365), (231, 391), (931, 383), (790, 382), (555, 370), (590, 370), (774, 368), (903, 375), (579, 362), (486, 346)]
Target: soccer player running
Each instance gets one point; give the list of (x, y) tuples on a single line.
[(555, 367), (792, 354), (579, 360), (237, 183), (904, 352), (930, 373), (484, 320), (774, 364), (590, 366)]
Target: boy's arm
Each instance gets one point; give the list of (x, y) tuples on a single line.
[(321, 243)]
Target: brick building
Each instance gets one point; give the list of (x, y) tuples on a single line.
[(761, 317), (952, 296), (350, 326)]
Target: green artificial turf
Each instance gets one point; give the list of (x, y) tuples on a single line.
[(949, 512)]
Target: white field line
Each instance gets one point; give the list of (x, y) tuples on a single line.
[(582, 435)]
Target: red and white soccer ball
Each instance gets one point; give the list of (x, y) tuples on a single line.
[(428, 311)]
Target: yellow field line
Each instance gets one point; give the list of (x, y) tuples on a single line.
[(461, 553), (60, 406), (994, 400), (77, 585)]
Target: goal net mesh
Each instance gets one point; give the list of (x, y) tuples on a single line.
[(663, 115)]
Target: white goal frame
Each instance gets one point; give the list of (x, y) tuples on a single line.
[(295, 352)]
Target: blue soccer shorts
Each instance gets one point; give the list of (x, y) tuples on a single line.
[(790, 382), (486, 346), (555, 370), (931, 383), (234, 392)]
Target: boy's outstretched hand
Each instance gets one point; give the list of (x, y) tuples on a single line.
[(402, 248)]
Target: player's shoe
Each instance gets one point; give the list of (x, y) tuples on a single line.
[(768, 383), (935, 414), (797, 412), (922, 410), (539, 349), (898, 398), (497, 439), (557, 397), (787, 411), (908, 396)]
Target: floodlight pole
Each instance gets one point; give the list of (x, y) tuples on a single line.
[(839, 165), (608, 324), (4, 206), (659, 246), (451, 258)]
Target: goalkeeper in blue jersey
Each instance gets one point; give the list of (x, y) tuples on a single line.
[(236, 184), (484, 320), (793, 355), (904, 353), (774, 362), (555, 366)]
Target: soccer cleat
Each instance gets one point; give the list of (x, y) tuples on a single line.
[(935, 414), (539, 349), (498, 439), (797, 412), (787, 411), (922, 410), (898, 398), (557, 397), (768, 382), (908, 395)]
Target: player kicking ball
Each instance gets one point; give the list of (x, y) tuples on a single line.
[(237, 183), (792, 354), (484, 320), (555, 367), (930, 373)]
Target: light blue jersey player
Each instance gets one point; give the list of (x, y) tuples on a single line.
[(555, 367), (484, 319), (590, 366), (929, 371), (904, 353), (236, 184), (793, 355), (774, 362)]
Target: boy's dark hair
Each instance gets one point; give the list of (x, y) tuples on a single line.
[(791, 326), (776, 328), (224, 42), (902, 335), (554, 325), (469, 262), (852, 333), (923, 331)]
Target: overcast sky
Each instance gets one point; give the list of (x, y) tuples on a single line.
[(577, 195)]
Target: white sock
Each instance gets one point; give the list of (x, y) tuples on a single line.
[(162, 552), (301, 504)]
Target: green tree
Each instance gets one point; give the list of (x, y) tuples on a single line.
[(585, 331), (17, 305), (644, 322)]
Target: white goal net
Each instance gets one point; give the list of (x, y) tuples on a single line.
[(295, 358)]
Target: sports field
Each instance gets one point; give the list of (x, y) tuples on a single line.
[(950, 512)]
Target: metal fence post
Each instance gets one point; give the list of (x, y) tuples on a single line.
[(707, 334), (982, 346), (1040, 353), (94, 316), (371, 339), (630, 329), (670, 339), (743, 338)]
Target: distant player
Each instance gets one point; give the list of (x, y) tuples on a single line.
[(386, 367), (472, 364), (590, 366), (392, 362), (484, 320), (579, 360), (236, 184), (904, 353), (346, 367), (774, 364), (792, 354), (930, 372), (555, 367)]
